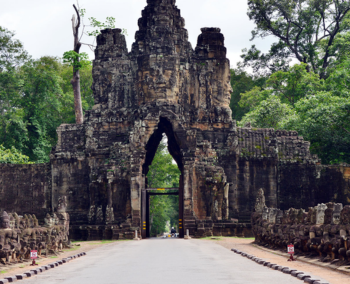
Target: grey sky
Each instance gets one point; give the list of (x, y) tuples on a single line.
[(44, 26)]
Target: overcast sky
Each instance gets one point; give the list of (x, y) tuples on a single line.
[(44, 26)]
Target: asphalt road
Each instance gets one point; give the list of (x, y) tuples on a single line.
[(162, 261)]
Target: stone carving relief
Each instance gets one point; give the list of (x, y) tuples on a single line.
[(260, 201), (99, 215)]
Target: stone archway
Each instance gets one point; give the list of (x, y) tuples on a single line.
[(163, 85), (164, 127)]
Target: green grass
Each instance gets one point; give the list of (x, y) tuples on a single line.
[(3, 271), (71, 249), (108, 241), (54, 256)]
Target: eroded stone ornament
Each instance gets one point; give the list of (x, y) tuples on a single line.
[(345, 215), (279, 216), (109, 215), (260, 201), (338, 207), (5, 220), (99, 215), (48, 221), (272, 215), (62, 204), (55, 219), (92, 214), (265, 213), (321, 208)]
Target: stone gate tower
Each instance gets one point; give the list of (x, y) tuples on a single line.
[(163, 85)]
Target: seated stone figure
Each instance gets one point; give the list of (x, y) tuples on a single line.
[(5, 247), (344, 251)]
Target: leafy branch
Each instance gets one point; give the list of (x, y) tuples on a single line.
[(77, 60)]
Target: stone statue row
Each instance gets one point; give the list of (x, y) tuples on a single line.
[(95, 215), (323, 231), (21, 234)]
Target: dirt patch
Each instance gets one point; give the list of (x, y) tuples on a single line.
[(247, 246), (78, 247)]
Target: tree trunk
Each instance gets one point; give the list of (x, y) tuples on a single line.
[(79, 117)]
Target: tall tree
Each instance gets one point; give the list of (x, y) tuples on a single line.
[(242, 82), (79, 116), (306, 31), (324, 120), (12, 52), (78, 59)]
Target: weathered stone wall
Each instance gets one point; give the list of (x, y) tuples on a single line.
[(25, 189), (164, 86), (305, 185)]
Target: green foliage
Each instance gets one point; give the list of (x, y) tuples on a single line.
[(251, 99), (310, 31), (162, 171), (294, 84), (98, 26), (77, 60), (67, 112), (299, 100), (12, 53), (324, 120), (163, 208), (109, 24), (339, 80), (35, 98), (270, 113), (242, 82), (12, 156)]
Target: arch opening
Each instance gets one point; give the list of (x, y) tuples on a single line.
[(151, 190)]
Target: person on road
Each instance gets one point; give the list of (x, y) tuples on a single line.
[(173, 231)]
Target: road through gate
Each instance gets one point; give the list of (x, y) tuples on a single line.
[(146, 194)]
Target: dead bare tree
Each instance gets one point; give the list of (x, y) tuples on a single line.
[(79, 59), (79, 118)]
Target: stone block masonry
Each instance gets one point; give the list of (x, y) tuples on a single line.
[(164, 86)]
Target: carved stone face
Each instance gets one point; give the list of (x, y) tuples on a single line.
[(338, 207), (5, 221), (62, 204), (329, 213), (321, 208), (345, 215), (279, 217)]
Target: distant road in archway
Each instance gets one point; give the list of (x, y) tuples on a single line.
[(162, 261)]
